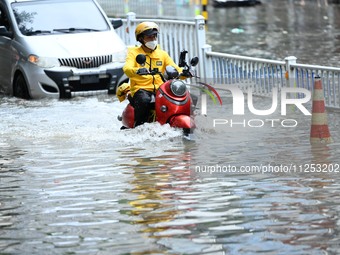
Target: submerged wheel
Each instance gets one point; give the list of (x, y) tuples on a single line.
[(188, 134), (20, 88), (187, 131)]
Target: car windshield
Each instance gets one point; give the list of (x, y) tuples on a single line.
[(58, 16)]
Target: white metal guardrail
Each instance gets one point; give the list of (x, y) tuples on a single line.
[(175, 35), (330, 78), (220, 68), (263, 74), (259, 74)]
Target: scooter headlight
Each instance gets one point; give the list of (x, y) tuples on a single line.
[(178, 88)]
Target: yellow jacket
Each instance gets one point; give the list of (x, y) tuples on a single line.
[(157, 59)]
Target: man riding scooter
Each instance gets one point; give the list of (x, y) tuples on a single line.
[(143, 87)]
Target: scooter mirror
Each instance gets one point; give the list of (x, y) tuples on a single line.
[(141, 59), (194, 61)]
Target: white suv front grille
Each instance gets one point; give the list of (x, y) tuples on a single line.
[(86, 62)]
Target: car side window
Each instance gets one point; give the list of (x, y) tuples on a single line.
[(4, 21)]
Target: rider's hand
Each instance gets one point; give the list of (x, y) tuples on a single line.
[(186, 73), (142, 71)]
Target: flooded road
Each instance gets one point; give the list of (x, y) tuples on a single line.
[(71, 182), (275, 30)]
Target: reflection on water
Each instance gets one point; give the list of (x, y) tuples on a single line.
[(10, 179), (72, 182), (278, 30)]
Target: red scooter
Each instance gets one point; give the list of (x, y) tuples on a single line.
[(173, 103)]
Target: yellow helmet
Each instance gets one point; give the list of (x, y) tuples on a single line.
[(146, 28)]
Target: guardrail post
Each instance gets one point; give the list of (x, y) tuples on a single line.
[(205, 67), (290, 73), (207, 63), (130, 29), (201, 40)]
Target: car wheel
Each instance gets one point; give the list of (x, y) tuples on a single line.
[(20, 87)]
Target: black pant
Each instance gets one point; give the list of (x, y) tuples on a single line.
[(141, 102)]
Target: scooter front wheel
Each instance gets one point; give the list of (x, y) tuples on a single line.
[(186, 131), (188, 134)]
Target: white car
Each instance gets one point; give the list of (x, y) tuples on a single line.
[(58, 48)]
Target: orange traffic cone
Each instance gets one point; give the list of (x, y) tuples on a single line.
[(319, 132)]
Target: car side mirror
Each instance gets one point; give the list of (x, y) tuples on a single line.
[(141, 59), (116, 23)]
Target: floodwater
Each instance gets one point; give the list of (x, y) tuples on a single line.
[(279, 29), (71, 182)]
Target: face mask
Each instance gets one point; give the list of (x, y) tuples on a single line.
[(151, 45)]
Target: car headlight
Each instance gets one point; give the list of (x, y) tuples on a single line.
[(44, 62), (119, 56), (178, 88)]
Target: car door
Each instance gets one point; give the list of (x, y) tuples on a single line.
[(6, 58)]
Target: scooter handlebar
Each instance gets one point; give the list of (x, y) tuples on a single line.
[(143, 71), (188, 73)]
